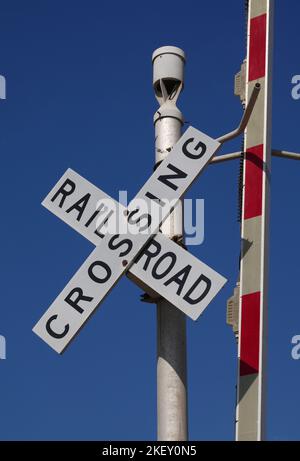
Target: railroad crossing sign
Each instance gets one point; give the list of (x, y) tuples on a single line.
[(140, 248)]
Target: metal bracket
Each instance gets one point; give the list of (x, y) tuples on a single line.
[(285, 154), (232, 313), (240, 83), (275, 153), (226, 157), (245, 119)]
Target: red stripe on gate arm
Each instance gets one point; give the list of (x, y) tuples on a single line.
[(249, 352), (253, 182), (257, 52)]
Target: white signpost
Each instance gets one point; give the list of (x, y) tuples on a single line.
[(168, 269)]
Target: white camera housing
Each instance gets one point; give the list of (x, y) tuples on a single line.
[(168, 66)]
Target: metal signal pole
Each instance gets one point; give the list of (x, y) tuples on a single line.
[(256, 169), (168, 66)]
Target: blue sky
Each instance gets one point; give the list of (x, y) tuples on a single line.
[(79, 95)]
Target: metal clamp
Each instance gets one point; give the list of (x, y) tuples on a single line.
[(245, 119)]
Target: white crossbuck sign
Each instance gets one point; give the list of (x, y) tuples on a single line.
[(148, 256)]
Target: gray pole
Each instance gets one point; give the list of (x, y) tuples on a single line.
[(168, 63)]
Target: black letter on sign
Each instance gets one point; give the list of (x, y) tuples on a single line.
[(164, 178), (97, 231), (119, 244), (168, 269), (145, 251), (138, 220), (194, 156), (104, 266), (80, 206), (80, 297), (53, 333), (155, 199), (187, 297), (64, 192), (94, 215), (180, 278)]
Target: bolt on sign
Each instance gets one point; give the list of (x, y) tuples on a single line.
[(142, 250)]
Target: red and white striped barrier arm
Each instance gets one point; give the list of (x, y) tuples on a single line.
[(253, 303)]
